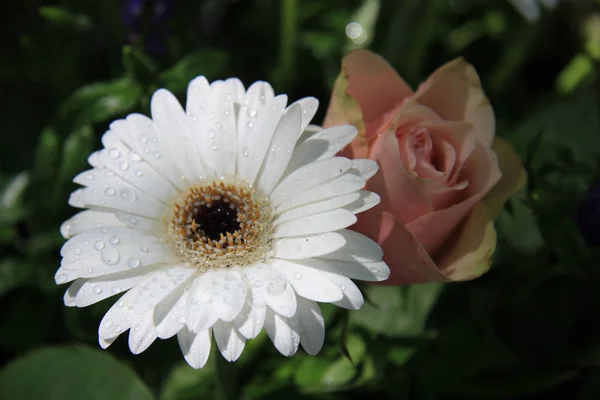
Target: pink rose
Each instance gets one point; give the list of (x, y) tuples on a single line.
[(444, 176)]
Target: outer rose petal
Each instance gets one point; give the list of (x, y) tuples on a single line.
[(513, 178), (454, 92), (470, 255), (408, 261), (434, 229), (375, 86)]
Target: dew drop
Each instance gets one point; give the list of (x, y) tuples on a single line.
[(156, 155), (133, 262), (251, 112), (99, 245), (117, 329), (228, 286), (127, 195), (246, 152), (212, 133), (114, 153), (276, 286), (110, 257), (135, 157), (214, 146), (115, 290), (342, 287), (138, 172), (103, 230), (77, 251), (120, 304), (258, 283), (114, 240), (97, 290), (109, 191), (144, 248), (108, 323), (62, 278), (297, 276), (143, 139), (124, 165)]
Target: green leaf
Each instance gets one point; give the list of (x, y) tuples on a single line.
[(309, 372), (209, 63), (12, 274), (339, 373), (70, 372), (12, 208), (187, 383), (75, 152), (99, 102), (397, 311), (61, 16), (138, 66)]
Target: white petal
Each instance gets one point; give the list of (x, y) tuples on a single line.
[(358, 248), (254, 141), (322, 145), (71, 292), (102, 287), (366, 168), (173, 132), (163, 283), (66, 273), (214, 130), (308, 282), (283, 333), (141, 135), (111, 194), (98, 239), (198, 92), (77, 199), (229, 293), (104, 343), (308, 246), (353, 299), (312, 326), (318, 223), (86, 220), (199, 313), (169, 314), (119, 318), (309, 105), (366, 201), (280, 149), (344, 184), (283, 302), (150, 226), (142, 333), (195, 346), (253, 107), (308, 177), (251, 319), (317, 207), (237, 89), (230, 342), (135, 170), (374, 271)]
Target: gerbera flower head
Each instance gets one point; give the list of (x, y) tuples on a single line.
[(220, 220)]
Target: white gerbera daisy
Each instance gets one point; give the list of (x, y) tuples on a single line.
[(220, 220)]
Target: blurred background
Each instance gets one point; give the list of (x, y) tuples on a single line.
[(529, 329)]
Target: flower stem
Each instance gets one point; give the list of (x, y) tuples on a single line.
[(225, 379), (287, 42)]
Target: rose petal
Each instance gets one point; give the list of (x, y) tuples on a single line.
[(482, 172), (374, 84), (513, 178), (454, 92), (470, 255), (407, 259), (400, 191)]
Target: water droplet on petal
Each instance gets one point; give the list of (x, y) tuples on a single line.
[(144, 248), (297, 276), (114, 153), (110, 257), (124, 165), (246, 152), (212, 133), (133, 262), (251, 112), (77, 251), (114, 240), (138, 172), (143, 139), (127, 195), (110, 191), (62, 278), (97, 290), (99, 245)]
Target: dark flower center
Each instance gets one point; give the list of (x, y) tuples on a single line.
[(217, 218)]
